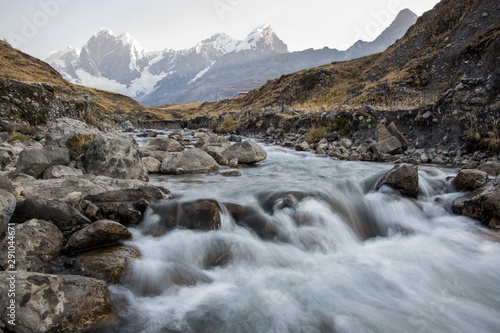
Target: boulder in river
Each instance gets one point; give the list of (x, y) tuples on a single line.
[(402, 178), (196, 215), (247, 152), (116, 157), (189, 161), (51, 303), (482, 204), (470, 180)]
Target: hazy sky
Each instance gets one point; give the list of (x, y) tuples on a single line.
[(40, 26)]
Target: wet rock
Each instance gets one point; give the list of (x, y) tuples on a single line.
[(97, 234), (190, 161), (402, 178), (470, 180), (33, 162), (50, 303), (492, 168), (247, 152), (197, 215), (151, 164), (116, 157), (482, 204), (7, 207), (232, 173), (164, 276), (63, 215), (61, 171), (35, 238), (253, 219)]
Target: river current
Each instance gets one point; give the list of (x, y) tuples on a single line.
[(341, 257)]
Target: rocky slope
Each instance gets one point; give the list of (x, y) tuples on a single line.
[(218, 67), (456, 39)]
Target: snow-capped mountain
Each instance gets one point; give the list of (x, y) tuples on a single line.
[(217, 67)]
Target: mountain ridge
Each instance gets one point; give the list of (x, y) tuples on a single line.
[(120, 64)]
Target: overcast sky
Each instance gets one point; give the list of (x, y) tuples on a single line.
[(40, 26)]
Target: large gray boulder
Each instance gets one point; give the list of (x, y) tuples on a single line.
[(7, 207), (35, 238), (97, 234), (64, 128), (116, 157), (34, 162), (470, 180), (51, 303), (189, 161), (402, 178), (247, 152)]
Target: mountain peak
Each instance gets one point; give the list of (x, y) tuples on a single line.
[(104, 32), (406, 14), (263, 37)]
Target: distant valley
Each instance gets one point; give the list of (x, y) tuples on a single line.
[(216, 68)]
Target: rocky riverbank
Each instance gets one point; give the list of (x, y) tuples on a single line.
[(69, 194)]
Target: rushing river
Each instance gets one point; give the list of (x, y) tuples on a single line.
[(341, 256)]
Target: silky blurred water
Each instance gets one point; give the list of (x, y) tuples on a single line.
[(343, 257)]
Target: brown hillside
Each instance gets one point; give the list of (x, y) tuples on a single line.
[(458, 38), (18, 66)]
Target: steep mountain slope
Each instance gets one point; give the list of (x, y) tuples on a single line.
[(218, 67), (456, 39)]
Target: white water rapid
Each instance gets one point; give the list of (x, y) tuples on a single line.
[(313, 248)]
